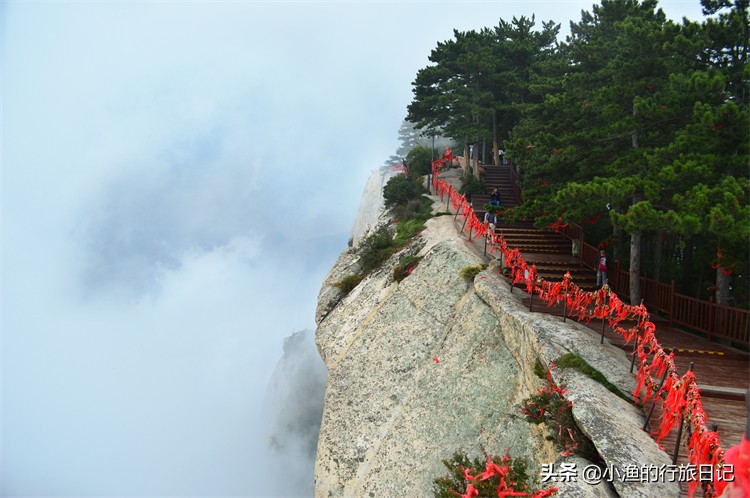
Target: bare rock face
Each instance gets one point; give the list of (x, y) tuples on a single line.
[(614, 426), (420, 369), (417, 370)]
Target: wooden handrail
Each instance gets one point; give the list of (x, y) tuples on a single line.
[(714, 320)]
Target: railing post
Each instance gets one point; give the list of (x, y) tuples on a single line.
[(635, 342), (635, 347), (653, 405), (671, 304), (531, 298), (682, 423), (711, 316)]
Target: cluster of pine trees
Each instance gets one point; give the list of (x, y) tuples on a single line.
[(636, 127)]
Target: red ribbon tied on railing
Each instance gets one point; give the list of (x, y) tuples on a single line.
[(680, 394)]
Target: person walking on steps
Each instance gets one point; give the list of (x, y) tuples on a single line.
[(492, 220), (601, 269)]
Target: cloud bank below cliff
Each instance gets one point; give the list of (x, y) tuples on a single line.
[(177, 178)]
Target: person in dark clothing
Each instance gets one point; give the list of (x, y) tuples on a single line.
[(494, 197)]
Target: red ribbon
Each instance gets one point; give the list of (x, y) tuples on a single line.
[(679, 394)]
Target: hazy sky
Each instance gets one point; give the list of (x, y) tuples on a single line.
[(177, 178)]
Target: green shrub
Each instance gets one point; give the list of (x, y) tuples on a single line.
[(493, 209), (381, 245), (406, 229), (419, 160), (539, 370), (349, 282), (548, 405), (454, 482), (405, 266), (420, 208), (572, 360), (376, 248), (400, 190), (471, 185), (470, 272)]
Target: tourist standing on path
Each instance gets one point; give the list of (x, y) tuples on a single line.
[(601, 268), (492, 220)]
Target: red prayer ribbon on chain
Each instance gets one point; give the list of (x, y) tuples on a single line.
[(679, 395)]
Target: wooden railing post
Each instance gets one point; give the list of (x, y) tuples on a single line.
[(671, 304), (682, 423), (711, 316), (656, 395)]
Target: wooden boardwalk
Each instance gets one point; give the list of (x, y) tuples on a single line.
[(722, 372)]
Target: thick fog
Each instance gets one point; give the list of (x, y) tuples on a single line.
[(177, 179)]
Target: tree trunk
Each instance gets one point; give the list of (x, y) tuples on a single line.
[(484, 151), (467, 160), (658, 246), (475, 162), (636, 239), (635, 268), (495, 146), (722, 287)]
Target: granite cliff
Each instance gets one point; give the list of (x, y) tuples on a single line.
[(421, 368)]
